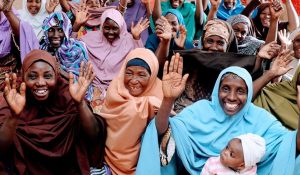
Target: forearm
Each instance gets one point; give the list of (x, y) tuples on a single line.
[(204, 4), (122, 6), (88, 120), (292, 16), (65, 5), (250, 7), (257, 65), (157, 10), (162, 52), (199, 13), (7, 133), (76, 27), (148, 10), (273, 30), (262, 82), (14, 22), (162, 119), (212, 13)]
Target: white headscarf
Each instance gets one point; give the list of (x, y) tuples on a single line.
[(254, 148), (36, 21)]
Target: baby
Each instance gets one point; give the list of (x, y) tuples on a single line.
[(239, 157)]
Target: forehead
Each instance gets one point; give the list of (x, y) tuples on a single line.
[(171, 17), (136, 68), (232, 78), (215, 38), (40, 65), (110, 22), (236, 145), (240, 25)]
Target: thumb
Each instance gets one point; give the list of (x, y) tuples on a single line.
[(184, 79), (22, 89), (71, 78)]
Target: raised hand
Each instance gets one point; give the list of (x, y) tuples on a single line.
[(146, 2), (173, 83), (6, 5), (79, 88), (280, 64), (163, 29), (51, 5), (284, 39), (269, 50), (215, 3), (136, 30), (180, 40), (82, 15), (276, 9), (15, 100)]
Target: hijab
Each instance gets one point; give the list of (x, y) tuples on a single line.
[(127, 116), (48, 136), (106, 57), (5, 37), (250, 44), (36, 21), (216, 23), (281, 100), (71, 52), (203, 129), (224, 13)]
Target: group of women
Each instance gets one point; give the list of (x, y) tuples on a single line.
[(144, 86)]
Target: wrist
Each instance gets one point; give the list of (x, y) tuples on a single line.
[(136, 37), (271, 74), (169, 100)]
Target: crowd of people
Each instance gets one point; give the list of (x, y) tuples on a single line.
[(154, 87)]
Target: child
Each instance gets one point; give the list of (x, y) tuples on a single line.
[(239, 157)]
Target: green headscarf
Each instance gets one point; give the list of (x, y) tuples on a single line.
[(281, 100)]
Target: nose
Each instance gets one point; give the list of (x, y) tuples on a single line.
[(231, 96), (213, 47), (41, 82), (238, 34)]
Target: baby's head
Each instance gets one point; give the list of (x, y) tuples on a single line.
[(243, 152)]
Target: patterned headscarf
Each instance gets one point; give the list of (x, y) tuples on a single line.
[(71, 52), (233, 20), (218, 28)]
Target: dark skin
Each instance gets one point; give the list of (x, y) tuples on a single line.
[(214, 44), (111, 30), (41, 76), (56, 36)]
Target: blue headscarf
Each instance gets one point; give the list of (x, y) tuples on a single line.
[(71, 52), (224, 13), (177, 14), (202, 130)]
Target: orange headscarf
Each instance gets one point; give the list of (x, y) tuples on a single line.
[(127, 116)]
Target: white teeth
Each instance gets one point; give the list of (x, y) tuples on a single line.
[(231, 106), (40, 92)]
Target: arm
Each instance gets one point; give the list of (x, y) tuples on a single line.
[(273, 29), (148, 8), (122, 6), (65, 5), (16, 102), (292, 16), (204, 4), (12, 18), (88, 120), (162, 52), (199, 16), (173, 84), (156, 10), (214, 8), (250, 7), (278, 68), (77, 92)]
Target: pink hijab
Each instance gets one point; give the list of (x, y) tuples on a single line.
[(107, 57)]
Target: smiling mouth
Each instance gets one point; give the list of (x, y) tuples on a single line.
[(41, 92), (231, 107)]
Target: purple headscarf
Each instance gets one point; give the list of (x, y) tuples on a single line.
[(5, 37)]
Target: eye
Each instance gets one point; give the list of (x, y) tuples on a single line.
[(127, 73), (209, 41), (221, 43), (32, 76), (225, 89), (241, 91), (60, 30), (48, 76), (50, 30)]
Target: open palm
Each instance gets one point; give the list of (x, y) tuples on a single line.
[(269, 50), (15, 100), (136, 30), (180, 40), (79, 88), (281, 63), (173, 82)]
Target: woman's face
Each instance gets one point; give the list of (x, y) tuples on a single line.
[(34, 6), (176, 3), (130, 3), (93, 4), (136, 80), (296, 47), (111, 30), (265, 17), (56, 36), (241, 31), (232, 94), (229, 4), (173, 21), (214, 44), (40, 80)]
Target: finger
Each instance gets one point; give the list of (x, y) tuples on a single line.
[(171, 65), (71, 78), (23, 89), (7, 82), (140, 20), (176, 62), (132, 25), (81, 70), (165, 71), (180, 66), (14, 81), (184, 79), (90, 71)]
